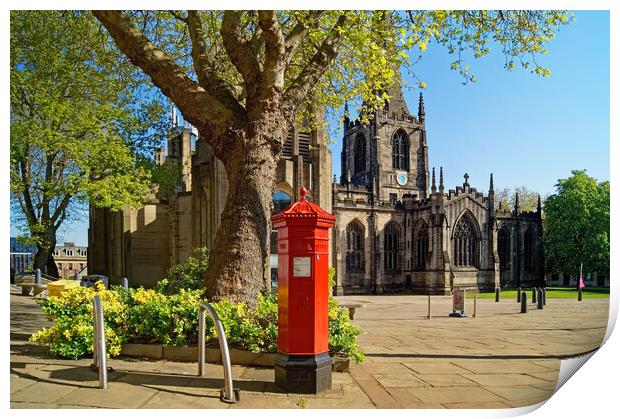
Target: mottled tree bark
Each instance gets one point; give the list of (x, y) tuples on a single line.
[(239, 255)]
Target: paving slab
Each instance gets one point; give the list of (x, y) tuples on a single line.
[(18, 383), (403, 380), (520, 392), (172, 400), (118, 395), (29, 405), (478, 405), (504, 379), (448, 395), (446, 380), (42, 392), (435, 368)]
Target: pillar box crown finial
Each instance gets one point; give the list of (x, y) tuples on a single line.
[(303, 210)]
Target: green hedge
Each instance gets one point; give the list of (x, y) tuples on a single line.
[(150, 316)]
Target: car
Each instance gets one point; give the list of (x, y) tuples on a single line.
[(91, 280)]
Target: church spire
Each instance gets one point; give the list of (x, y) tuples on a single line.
[(440, 179), (516, 203), (491, 197), (421, 113), (539, 206), (433, 185)]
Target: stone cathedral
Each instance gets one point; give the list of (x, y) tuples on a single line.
[(399, 229)]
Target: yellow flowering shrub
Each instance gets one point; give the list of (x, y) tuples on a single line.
[(71, 336)]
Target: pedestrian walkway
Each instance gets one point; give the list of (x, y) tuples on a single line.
[(499, 359)]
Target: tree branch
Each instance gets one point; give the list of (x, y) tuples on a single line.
[(296, 35), (61, 208), (25, 178), (203, 66), (204, 111), (311, 74), (275, 59), (239, 50)]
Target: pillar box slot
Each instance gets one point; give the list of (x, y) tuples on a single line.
[(303, 364)]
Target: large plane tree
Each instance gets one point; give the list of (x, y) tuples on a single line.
[(242, 78)]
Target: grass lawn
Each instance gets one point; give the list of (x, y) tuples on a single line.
[(552, 292)]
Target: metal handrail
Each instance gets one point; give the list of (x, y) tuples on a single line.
[(99, 349), (228, 394)]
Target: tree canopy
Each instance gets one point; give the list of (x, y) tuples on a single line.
[(505, 199), (81, 118), (576, 227), (242, 78)]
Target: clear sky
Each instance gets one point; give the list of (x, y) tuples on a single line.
[(526, 129)]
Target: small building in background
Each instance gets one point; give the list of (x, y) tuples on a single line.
[(71, 259)]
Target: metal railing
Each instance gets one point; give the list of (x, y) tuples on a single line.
[(99, 349), (228, 394)]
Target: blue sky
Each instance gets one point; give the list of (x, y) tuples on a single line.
[(528, 130)]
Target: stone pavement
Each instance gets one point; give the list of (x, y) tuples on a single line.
[(500, 359)]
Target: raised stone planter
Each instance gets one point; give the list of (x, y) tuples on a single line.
[(212, 355), (142, 350)]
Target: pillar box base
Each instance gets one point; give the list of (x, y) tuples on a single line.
[(303, 374)]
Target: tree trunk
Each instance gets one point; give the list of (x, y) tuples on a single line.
[(52, 269), (44, 259), (239, 255)]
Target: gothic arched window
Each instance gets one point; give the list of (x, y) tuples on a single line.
[(355, 247), (360, 154), (503, 248), (528, 250), (465, 243), (400, 150), (391, 242), (421, 246)]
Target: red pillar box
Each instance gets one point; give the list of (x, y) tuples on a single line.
[(303, 364)]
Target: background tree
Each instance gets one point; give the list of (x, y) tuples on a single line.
[(80, 116), (577, 225), (528, 199), (242, 78)]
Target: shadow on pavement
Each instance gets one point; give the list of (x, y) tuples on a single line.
[(77, 376)]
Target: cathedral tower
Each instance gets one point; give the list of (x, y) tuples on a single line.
[(389, 156)]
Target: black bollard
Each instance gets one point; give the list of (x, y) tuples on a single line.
[(533, 295), (579, 295), (523, 302), (519, 295), (544, 296), (540, 298), (497, 295)]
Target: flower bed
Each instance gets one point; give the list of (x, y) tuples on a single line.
[(141, 316)]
